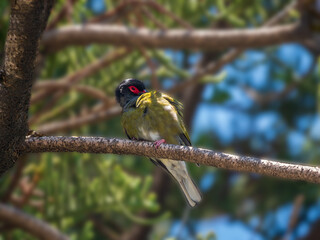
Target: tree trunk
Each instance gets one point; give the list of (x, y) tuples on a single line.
[(27, 22)]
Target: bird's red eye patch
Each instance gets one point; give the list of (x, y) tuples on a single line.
[(136, 90)]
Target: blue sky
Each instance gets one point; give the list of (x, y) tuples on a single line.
[(224, 227), (233, 120)]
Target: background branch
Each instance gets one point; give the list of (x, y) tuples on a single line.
[(86, 89), (78, 121), (87, 71), (30, 224), (206, 39)]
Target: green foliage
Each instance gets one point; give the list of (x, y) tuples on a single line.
[(4, 21), (209, 236), (77, 186)]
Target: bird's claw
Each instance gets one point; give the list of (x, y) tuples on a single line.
[(158, 143)]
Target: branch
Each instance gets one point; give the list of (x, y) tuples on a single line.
[(14, 180), (85, 89), (175, 152), (27, 22), (28, 191), (79, 121), (282, 14), (206, 39), (65, 11), (295, 213), (127, 5), (104, 230), (30, 224), (153, 19), (210, 68), (73, 78), (267, 98), (87, 71)]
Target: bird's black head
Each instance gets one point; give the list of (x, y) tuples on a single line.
[(129, 89)]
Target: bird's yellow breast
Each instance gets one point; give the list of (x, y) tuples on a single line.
[(153, 118)]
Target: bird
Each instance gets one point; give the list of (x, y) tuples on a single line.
[(155, 116)]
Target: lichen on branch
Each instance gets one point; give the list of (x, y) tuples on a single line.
[(206, 157)]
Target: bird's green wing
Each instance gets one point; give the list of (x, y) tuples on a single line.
[(184, 136)]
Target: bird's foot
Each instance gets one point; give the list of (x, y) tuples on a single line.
[(32, 133), (158, 143)]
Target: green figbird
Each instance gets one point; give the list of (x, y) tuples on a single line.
[(154, 116)]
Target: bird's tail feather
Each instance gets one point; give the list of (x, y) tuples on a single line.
[(178, 170), (190, 190)]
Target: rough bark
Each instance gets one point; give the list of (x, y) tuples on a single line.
[(27, 22), (205, 39), (28, 223), (175, 152)]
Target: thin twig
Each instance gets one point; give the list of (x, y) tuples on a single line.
[(37, 204), (65, 11), (210, 68), (125, 5), (73, 79), (281, 14), (118, 10), (29, 190), (267, 98), (58, 85), (87, 71), (165, 11), (107, 232), (297, 205), (150, 16), (152, 66), (78, 121), (14, 179), (154, 80)]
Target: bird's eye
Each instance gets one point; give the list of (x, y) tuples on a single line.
[(134, 89)]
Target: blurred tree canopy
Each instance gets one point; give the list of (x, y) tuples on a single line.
[(264, 104)]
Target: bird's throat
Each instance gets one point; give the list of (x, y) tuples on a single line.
[(130, 103)]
